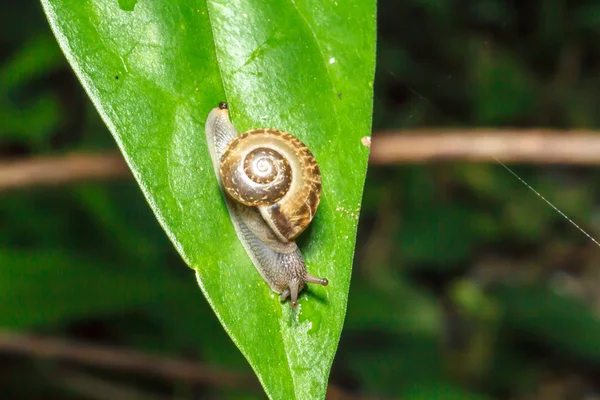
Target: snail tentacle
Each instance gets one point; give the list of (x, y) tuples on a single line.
[(313, 279)]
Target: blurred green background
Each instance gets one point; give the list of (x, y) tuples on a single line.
[(465, 285)]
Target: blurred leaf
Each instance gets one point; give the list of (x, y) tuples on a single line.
[(39, 56), (578, 105), (390, 364), (433, 231), (472, 330), (50, 287), (587, 16), (39, 219), (473, 300), (502, 88), (26, 120), (118, 213), (491, 12), (535, 312), (511, 370), (442, 235), (155, 70), (529, 218), (33, 123), (406, 310), (552, 20), (441, 391), (196, 327), (526, 217)]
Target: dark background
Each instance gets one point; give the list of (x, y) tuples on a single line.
[(465, 285)]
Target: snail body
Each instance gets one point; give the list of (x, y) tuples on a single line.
[(272, 187)]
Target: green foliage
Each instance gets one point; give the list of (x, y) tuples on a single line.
[(63, 289), (29, 119), (154, 85), (535, 311), (465, 285)]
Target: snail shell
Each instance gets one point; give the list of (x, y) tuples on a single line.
[(276, 172), (273, 187)]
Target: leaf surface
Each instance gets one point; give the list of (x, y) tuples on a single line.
[(154, 70)]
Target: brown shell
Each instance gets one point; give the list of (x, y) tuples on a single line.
[(277, 173)]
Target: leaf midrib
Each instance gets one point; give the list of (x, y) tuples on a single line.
[(225, 326)]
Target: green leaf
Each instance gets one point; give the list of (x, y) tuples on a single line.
[(154, 70), (536, 311), (441, 391), (433, 231), (502, 86), (390, 364), (41, 288)]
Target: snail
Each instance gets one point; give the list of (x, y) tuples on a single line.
[(272, 187)]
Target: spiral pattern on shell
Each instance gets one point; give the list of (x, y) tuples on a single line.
[(258, 177), (276, 172)]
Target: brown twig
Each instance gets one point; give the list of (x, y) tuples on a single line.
[(134, 361), (89, 386), (58, 170), (124, 359), (537, 146)]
